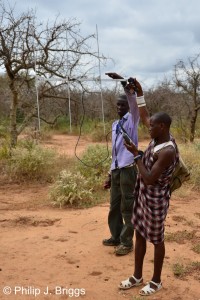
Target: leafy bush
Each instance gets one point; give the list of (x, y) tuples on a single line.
[(97, 133), (96, 161), (4, 140), (4, 150), (4, 128), (75, 188), (30, 161), (71, 189), (3, 131)]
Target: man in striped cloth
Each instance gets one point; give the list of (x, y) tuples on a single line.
[(152, 200)]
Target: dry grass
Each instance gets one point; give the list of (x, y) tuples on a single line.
[(196, 248), (178, 218), (182, 271), (183, 220), (197, 215), (180, 236), (190, 155)]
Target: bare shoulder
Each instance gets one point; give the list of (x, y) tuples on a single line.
[(169, 149), (167, 154)]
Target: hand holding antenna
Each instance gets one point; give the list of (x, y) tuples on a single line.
[(131, 85)]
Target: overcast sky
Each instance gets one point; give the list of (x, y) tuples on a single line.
[(144, 37)]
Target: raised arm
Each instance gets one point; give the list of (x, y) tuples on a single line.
[(133, 107), (135, 102), (141, 104)]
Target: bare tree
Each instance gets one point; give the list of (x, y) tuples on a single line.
[(187, 80), (52, 51), (165, 97)]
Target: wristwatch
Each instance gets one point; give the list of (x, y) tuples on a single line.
[(139, 156)]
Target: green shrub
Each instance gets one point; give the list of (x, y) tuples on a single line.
[(97, 133), (4, 140), (96, 161), (4, 150), (30, 161), (74, 188), (4, 126), (71, 189)]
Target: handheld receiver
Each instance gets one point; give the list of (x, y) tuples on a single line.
[(126, 138), (125, 135)]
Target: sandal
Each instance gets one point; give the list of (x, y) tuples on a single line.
[(147, 290), (127, 284)]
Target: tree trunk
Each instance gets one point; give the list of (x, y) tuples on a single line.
[(192, 125), (13, 116)]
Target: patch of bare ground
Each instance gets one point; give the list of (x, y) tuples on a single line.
[(43, 246)]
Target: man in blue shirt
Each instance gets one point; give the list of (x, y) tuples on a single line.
[(130, 107)]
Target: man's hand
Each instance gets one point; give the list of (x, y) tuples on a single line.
[(107, 183), (131, 148), (139, 88), (134, 86)]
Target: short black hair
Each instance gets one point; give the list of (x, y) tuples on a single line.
[(122, 97), (162, 117)]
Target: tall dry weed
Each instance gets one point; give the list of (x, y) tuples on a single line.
[(191, 156)]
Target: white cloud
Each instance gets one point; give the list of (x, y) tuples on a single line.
[(144, 37)]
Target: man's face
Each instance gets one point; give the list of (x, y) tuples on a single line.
[(155, 128), (122, 108)]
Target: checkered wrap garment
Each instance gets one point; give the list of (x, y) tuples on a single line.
[(152, 201)]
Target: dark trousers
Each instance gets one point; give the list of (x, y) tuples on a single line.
[(121, 204)]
